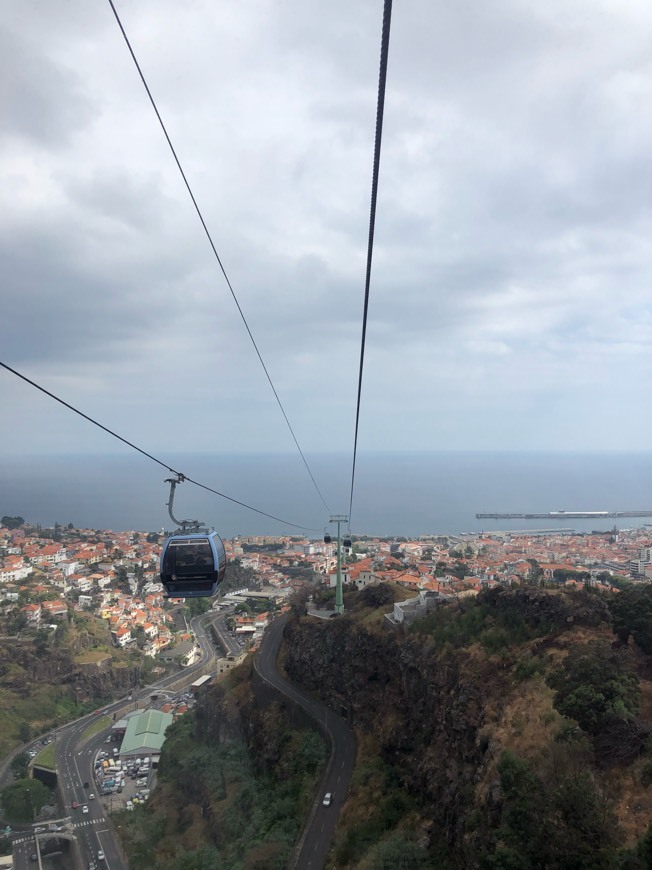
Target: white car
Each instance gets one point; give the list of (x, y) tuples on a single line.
[(100, 855), (84, 809), (328, 797), (91, 797)]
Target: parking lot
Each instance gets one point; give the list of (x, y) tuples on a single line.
[(124, 786)]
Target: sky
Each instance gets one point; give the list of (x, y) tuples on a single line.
[(511, 292)]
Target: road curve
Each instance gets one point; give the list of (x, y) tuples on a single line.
[(318, 834)]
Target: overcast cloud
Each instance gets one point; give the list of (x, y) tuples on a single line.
[(511, 299)]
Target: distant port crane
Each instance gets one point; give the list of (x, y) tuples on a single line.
[(565, 515)]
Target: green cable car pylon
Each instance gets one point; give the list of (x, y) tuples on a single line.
[(339, 519)]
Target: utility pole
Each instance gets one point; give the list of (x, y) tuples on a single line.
[(339, 598)]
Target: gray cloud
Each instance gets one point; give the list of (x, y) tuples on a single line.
[(511, 271), (41, 100)]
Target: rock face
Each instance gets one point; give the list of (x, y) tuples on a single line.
[(426, 706), (23, 668), (425, 711)]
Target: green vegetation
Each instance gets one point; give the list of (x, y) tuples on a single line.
[(197, 606), (98, 724), (361, 838), (12, 522), (594, 685), (36, 692), (474, 620), (22, 801), (562, 821), (45, 758), (631, 609), (216, 807), (20, 765)]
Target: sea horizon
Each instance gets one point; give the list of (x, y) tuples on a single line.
[(396, 493)]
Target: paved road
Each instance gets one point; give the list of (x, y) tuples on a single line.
[(75, 762), (318, 834)]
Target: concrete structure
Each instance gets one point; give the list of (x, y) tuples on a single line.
[(405, 612), (185, 653)]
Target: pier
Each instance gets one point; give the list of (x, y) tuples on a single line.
[(566, 515)]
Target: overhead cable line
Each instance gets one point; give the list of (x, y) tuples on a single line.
[(149, 455), (382, 78), (214, 249)]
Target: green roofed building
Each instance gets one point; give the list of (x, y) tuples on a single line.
[(145, 734)]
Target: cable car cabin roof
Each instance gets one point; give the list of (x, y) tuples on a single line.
[(192, 565)]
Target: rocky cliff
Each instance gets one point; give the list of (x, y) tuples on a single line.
[(442, 703)]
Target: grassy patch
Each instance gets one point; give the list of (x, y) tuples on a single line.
[(45, 758), (92, 657), (96, 725)]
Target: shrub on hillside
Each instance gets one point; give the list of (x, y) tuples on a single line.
[(594, 686)]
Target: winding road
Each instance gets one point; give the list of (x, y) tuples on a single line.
[(318, 834)]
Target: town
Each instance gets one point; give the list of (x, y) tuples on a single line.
[(45, 574)]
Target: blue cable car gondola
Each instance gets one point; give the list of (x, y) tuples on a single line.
[(192, 565), (193, 560)]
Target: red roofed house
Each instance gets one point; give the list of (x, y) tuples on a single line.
[(55, 608), (32, 612), (122, 636)]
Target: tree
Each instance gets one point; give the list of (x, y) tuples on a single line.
[(22, 801), (41, 641), (197, 606), (459, 570), (12, 522), (631, 610), (25, 732), (595, 685), (16, 622), (20, 765), (535, 572)]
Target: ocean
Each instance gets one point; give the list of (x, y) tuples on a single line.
[(407, 494)]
